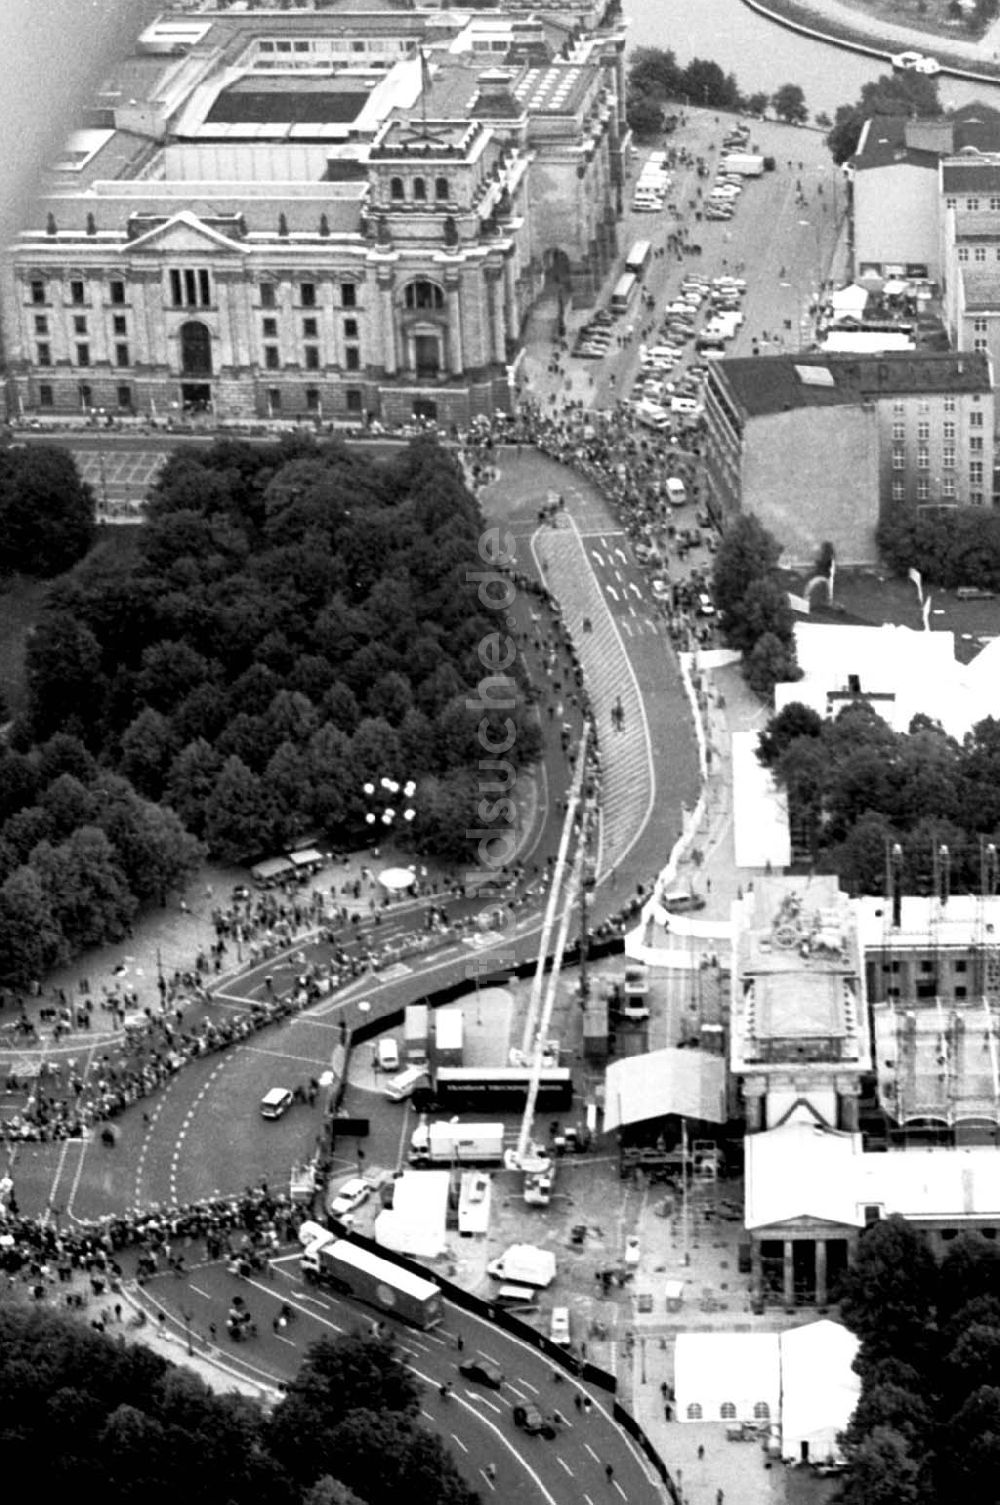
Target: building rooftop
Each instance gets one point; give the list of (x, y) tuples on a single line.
[(800, 1170), (796, 979), (294, 100), (883, 142), (937, 1059), (973, 174), (762, 385), (558, 89)]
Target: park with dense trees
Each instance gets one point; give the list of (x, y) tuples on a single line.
[(83, 1414), (296, 620), (927, 1426), (856, 788)]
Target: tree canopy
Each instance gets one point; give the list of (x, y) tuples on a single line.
[(656, 78), (906, 94), (753, 605), (854, 786), (46, 511), (296, 623), (927, 1425), (82, 1414)]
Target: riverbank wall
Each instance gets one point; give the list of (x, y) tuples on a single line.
[(839, 27)]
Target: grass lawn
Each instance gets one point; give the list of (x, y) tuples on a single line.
[(21, 602)]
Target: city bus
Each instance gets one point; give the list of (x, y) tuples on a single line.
[(475, 1089), (637, 259), (625, 290)]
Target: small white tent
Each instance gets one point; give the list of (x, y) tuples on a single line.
[(819, 1390), (849, 300)]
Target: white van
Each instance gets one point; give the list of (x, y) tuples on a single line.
[(276, 1103), (387, 1054), (676, 491), (398, 1088), (559, 1326)]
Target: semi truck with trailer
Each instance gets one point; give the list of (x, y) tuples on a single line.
[(457, 1144), (353, 1271)]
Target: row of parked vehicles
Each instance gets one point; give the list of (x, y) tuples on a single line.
[(594, 338), (652, 185)]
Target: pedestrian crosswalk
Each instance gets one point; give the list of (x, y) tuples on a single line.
[(628, 785)]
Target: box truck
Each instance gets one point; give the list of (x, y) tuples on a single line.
[(457, 1144), (747, 164), (415, 1034), (448, 1036), (356, 1272)]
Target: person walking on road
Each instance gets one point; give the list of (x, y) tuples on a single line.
[(609, 1472)]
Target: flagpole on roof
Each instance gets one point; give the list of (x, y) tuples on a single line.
[(425, 83)]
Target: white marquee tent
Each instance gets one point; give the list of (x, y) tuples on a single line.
[(819, 1390)]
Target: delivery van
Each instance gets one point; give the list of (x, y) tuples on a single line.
[(398, 1088)]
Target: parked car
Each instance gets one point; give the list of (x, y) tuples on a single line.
[(482, 1372), (682, 902), (350, 1197)]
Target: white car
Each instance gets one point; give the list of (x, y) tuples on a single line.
[(632, 1250), (387, 1054), (349, 1198), (661, 589)]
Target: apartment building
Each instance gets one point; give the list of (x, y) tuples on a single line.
[(816, 445)]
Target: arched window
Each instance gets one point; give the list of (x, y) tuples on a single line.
[(420, 190), (396, 190), (196, 349), (761, 1411), (727, 1411), (441, 189), (694, 1412), (424, 294)]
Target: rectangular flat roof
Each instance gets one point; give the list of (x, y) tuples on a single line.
[(300, 101)]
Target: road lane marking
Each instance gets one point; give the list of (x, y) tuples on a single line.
[(590, 1450), (563, 1464), (484, 1400), (455, 1438), (198, 1291)]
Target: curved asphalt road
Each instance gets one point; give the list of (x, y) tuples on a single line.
[(475, 1423)]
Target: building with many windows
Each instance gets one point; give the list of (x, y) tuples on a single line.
[(815, 445), (319, 213)]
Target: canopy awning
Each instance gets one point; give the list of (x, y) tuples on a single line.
[(272, 868), (307, 857), (690, 1083)]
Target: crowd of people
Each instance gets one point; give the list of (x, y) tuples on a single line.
[(630, 465), (48, 1257)]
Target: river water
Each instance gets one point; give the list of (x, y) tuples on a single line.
[(764, 56)]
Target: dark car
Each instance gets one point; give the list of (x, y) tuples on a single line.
[(483, 1372), (529, 1419)]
